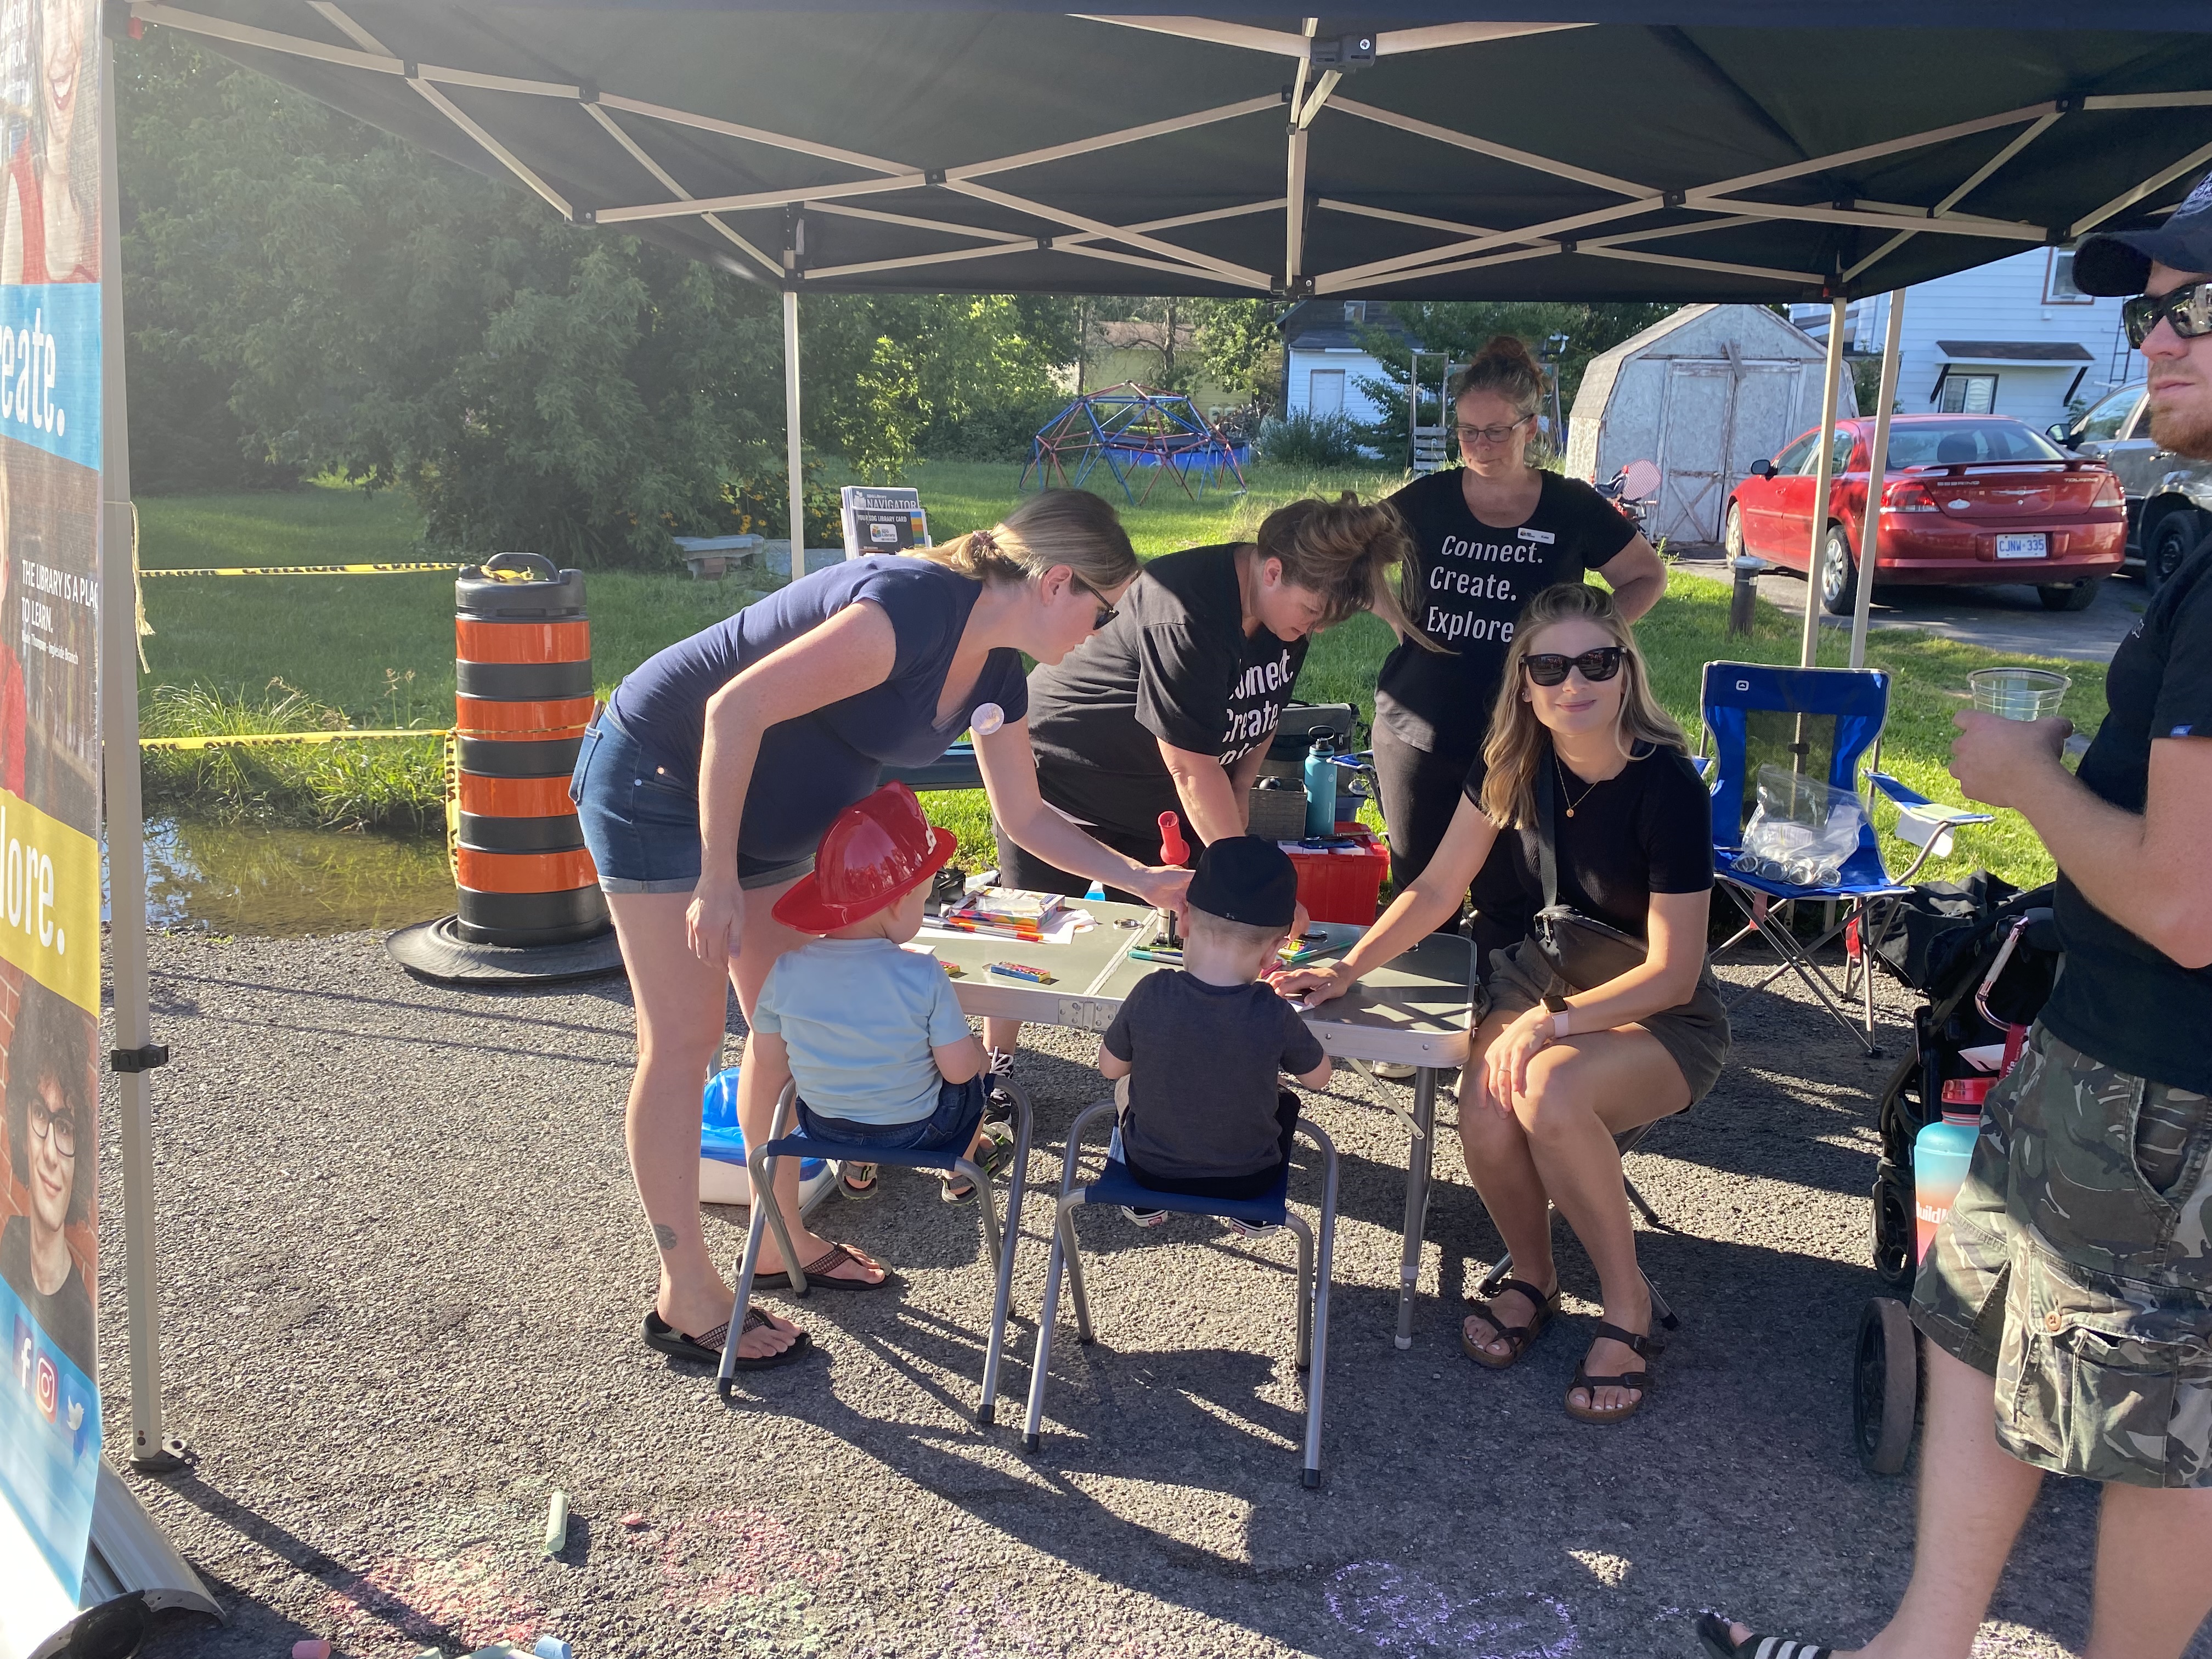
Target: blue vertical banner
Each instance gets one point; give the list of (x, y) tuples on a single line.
[(50, 436)]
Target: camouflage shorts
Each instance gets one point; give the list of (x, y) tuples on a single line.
[(2076, 1269)]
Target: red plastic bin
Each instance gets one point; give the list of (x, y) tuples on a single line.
[(1343, 885)]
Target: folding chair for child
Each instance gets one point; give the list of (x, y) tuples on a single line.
[(1116, 1185), (997, 1246), (1816, 723)]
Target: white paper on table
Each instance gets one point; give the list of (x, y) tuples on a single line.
[(1065, 925)]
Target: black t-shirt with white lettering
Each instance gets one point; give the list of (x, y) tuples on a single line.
[(1475, 578), (2119, 998), (1174, 667)]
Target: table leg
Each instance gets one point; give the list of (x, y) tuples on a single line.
[(1419, 1159)]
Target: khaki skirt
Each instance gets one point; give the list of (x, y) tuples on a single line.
[(1695, 1034)]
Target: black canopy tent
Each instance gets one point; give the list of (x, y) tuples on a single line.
[(1601, 150)]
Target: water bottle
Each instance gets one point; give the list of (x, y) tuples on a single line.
[(1321, 784), (1940, 1153)]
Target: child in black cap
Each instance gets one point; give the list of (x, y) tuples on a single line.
[(1202, 1113)]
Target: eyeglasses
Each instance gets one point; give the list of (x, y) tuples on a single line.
[(1106, 612), (1492, 434), (1550, 668), (2188, 307), (60, 1131)]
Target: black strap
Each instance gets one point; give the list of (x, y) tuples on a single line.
[(1640, 1344), (1547, 857)]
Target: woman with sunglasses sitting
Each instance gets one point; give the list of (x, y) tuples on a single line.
[(1600, 1020), (1492, 533), (706, 782), (1171, 706)]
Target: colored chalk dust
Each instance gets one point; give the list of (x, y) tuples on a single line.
[(1401, 1612)]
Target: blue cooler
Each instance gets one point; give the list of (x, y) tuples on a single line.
[(722, 1178)]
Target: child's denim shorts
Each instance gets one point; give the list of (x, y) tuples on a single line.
[(949, 1128), (643, 825)]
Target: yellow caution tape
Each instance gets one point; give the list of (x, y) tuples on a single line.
[(262, 739), (303, 570)]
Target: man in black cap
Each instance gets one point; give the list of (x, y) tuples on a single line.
[(1202, 1114), (2066, 1301)]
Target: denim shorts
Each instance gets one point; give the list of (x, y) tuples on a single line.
[(949, 1128), (643, 825)]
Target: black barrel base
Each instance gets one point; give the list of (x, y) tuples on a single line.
[(435, 951), (530, 919)]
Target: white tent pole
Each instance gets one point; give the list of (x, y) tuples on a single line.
[(126, 830), (1877, 472), (1808, 649), (791, 444)]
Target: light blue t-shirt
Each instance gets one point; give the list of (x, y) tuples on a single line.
[(859, 1017)]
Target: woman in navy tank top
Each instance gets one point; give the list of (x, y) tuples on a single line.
[(706, 782)]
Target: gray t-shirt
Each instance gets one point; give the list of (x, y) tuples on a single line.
[(1202, 1091)]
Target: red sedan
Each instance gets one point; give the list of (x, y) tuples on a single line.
[(1968, 499)]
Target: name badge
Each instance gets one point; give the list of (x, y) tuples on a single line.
[(1528, 535)]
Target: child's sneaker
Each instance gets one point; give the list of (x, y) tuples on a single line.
[(1145, 1218), (997, 1104), (1252, 1228)]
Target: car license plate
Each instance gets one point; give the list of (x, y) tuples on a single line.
[(2023, 547)]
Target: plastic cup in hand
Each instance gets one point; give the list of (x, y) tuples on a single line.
[(2018, 693)]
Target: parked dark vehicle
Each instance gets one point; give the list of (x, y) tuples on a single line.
[(1968, 499), (2169, 496)]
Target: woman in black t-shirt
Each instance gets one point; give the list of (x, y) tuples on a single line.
[(1170, 707), (1491, 534), (1572, 1051)]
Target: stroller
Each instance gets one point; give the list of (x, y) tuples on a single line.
[(1985, 955)]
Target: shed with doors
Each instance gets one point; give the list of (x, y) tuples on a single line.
[(1701, 394)]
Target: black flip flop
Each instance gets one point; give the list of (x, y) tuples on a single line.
[(1643, 1348), (707, 1350), (818, 1277), (1517, 1337), (1713, 1637)]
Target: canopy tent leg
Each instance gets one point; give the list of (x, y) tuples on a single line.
[(1877, 473), (791, 444), (1808, 649)]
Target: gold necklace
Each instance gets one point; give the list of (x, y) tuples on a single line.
[(1562, 771)]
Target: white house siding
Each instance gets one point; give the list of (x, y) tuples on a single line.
[(1354, 365), (2004, 301)]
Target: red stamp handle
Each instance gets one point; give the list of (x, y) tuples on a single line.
[(1172, 849)]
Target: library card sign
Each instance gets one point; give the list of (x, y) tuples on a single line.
[(882, 520)]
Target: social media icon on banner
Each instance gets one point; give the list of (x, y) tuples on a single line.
[(21, 1347), (48, 1387)]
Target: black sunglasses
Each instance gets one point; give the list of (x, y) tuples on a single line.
[(1550, 668), (2188, 307), (1106, 612)]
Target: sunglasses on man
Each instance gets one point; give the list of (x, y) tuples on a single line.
[(2188, 307), (1550, 668)]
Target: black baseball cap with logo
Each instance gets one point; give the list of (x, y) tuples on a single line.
[(2119, 262), (1246, 878)]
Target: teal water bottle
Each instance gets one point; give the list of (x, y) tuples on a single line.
[(1321, 784), (1940, 1153)]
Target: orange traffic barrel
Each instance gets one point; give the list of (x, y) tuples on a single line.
[(522, 647)]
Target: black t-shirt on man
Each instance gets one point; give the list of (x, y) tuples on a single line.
[(1174, 667), (1475, 578), (1647, 828), (2119, 999)]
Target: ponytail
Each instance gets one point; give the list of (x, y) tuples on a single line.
[(1071, 527)]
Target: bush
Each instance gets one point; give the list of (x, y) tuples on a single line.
[(1300, 439), (998, 433)]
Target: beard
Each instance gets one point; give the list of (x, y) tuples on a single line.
[(2183, 423)]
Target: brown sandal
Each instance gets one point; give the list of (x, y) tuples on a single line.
[(1643, 1348), (818, 1275), (1519, 1336)]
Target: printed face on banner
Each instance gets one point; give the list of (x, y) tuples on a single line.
[(50, 878)]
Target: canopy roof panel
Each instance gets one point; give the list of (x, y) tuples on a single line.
[(1547, 155)]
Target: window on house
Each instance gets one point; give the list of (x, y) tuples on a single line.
[(1325, 392), (2059, 288), (1967, 394), (1355, 311)]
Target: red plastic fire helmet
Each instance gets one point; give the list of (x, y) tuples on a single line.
[(876, 852)]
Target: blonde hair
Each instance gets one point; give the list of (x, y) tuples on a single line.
[(1345, 552), (1518, 744), (1071, 527)]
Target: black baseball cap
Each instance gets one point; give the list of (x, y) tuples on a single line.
[(1246, 878), (2120, 261)]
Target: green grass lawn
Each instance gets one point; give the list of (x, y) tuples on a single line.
[(378, 650)]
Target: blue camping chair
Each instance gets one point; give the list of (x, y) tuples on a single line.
[(1116, 1185), (998, 1247), (1817, 722)]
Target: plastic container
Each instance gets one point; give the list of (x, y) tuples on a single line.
[(1321, 784), (1342, 885), (2018, 693), (722, 1176), (1940, 1153)]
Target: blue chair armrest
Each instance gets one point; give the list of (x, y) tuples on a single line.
[(1904, 795)]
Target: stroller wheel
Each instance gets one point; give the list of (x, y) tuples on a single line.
[(1895, 1233), (1884, 1386)]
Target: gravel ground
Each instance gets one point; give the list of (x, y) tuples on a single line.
[(404, 1274)]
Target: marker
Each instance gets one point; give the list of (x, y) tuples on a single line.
[(1142, 955), (1015, 970)]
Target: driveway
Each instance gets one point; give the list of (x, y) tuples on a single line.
[(2006, 617)]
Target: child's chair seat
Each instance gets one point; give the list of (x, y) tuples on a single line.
[(1116, 1184)]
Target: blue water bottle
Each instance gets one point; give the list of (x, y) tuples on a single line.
[(1940, 1154), (1321, 784)]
